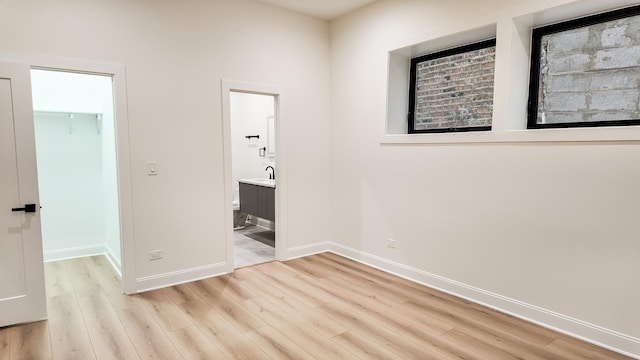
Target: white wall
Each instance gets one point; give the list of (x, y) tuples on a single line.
[(548, 224), (77, 172), (176, 54), (249, 114), (70, 184)]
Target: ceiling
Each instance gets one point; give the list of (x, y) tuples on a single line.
[(323, 9)]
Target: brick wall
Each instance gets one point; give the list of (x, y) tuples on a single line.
[(455, 91), (591, 73)]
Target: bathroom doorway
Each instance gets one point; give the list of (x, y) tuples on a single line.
[(76, 154), (253, 161)]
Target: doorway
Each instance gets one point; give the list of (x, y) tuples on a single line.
[(253, 119), (278, 94), (74, 125)]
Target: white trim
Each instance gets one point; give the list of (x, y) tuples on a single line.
[(604, 134), (118, 74), (113, 259), (278, 92), (85, 251), (598, 335), (159, 281), (74, 252), (308, 250)]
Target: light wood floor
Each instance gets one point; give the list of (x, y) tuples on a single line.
[(319, 307)]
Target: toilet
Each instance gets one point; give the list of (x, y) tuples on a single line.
[(239, 218)]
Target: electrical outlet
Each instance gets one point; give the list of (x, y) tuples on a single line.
[(155, 255), (391, 243)]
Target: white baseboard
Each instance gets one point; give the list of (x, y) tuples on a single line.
[(307, 250), (84, 251), (114, 259), (180, 277), (74, 252), (606, 338)]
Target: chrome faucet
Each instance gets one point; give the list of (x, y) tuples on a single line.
[(272, 175)]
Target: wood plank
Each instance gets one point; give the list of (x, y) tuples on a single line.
[(57, 279), (314, 318), (422, 319), (412, 291), (193, 344), (147, 337), (82, 278), (262, 286), (273, 268), (363, 348), (284, 286), (320, 321), (355, 269), (574, 349), (311, 269), (306, 338), (307, 288), (103, 272), (392, 341), (484, 320), (365, 305), (397, 315), (111, 283), (109, 339), (165, 312), (227, 338), (393, 283), (205, 291), (180, 294), (245, 272), (484, 347), (362, 294), (69, 336), (277, 346), (444, 347), (474, 314), (370, 289), (232, 287), (229, 309), (30, 342), (5, 343)]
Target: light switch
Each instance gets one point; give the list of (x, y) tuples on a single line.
[(152, 168)]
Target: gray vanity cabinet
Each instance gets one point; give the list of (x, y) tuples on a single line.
[(258, 200)]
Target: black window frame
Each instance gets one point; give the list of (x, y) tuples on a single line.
[(413, 79), (534, 76)]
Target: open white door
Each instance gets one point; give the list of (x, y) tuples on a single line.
[(22, 289)]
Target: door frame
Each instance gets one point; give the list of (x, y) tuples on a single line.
[(123, 158), (228, 86)]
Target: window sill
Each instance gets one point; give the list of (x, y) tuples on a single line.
[(563, 135)]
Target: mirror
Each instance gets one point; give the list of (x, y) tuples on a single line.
[(271, 136)]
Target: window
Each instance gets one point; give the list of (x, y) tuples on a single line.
[(586, 72), (452, 90)]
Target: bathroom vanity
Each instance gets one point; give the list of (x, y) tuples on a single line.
[(257, 197)]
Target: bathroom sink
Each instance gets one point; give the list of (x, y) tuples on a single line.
[(260, 181)]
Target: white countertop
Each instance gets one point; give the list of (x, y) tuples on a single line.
[(260, 182)]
